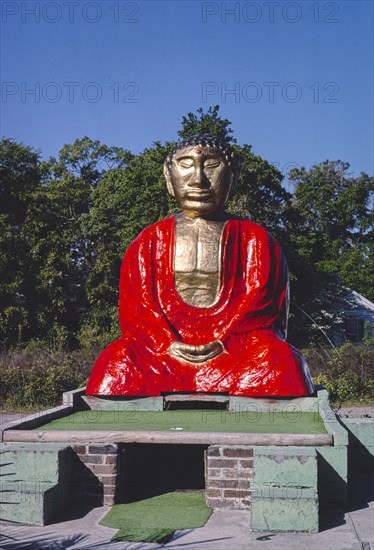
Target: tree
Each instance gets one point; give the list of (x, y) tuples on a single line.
[(125, 201), (67, 222), (336, 222), (62, 242), (20, 177), (47, 255), (260, 195), (330, 249), (206, 123)]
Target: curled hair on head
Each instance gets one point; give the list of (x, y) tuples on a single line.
[(207, 140)]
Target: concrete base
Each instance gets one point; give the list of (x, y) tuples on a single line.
[(35, 482), (283, 494), (31, 503), (361, 443), (299, 514), (284, 491), (125, 404)]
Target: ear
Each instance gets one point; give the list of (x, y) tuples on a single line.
[(168, 179), (232, 185), (234, 177)]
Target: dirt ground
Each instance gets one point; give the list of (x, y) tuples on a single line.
[(355, 412)]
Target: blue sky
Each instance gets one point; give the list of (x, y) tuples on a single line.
[(300, 74)]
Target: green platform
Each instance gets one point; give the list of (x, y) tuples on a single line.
[(192, 421), (299, 449)]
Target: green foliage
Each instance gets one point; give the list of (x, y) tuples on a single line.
[(20, 179), (66, 223), (124, 202), (259, 194), (48, 256), (37, 378), (334, 221), (329, 249), (346, 372), (89, 160), (206, 123)]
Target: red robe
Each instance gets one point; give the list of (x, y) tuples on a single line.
[(248, 318)]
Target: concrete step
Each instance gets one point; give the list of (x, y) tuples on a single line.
[(34, 481), (32, 503), (35, 462), (285, 489), (285, 514)]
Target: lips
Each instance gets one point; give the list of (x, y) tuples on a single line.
[(198, 195)]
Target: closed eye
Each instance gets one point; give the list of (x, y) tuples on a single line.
[(186, 163), (212, 164)]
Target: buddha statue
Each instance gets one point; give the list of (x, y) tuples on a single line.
[(203, 298)]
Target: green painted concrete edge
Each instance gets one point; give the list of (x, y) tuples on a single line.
[(332, 462), (276, 405), (293, 515), (290, 450), (124, 404), (32, 503), (236, 403), (72, 398), (35, 420), (285, 467), (363, 430), (269, 492), (32, 446), (333, 426), (361, 443), (36, 463)]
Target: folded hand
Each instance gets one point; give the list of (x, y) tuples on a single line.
[(195, 354)]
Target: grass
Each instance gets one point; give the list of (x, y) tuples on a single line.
[(192, 420), (156, 519)]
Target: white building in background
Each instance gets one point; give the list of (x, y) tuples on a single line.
[(359, 318)]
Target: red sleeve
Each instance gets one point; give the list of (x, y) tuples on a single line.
[(261, 299), (140, 314)]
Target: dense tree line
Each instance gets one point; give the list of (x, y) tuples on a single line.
[(65, 224)]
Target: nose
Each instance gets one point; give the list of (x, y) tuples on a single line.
[(198, 178)]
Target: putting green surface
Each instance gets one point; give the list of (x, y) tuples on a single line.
[(155, 519), (179, 510), (191, 421)]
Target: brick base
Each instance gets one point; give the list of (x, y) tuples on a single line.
[(228, 475), (95, 472)]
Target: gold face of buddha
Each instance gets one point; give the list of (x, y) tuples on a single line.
[(200, 180)]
